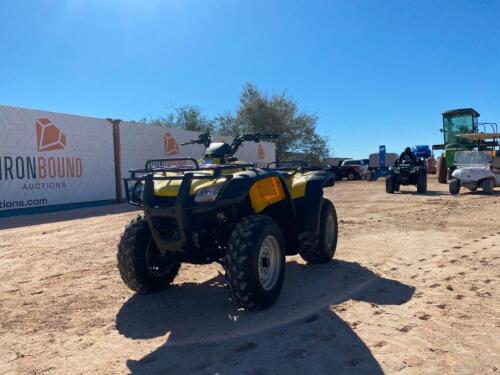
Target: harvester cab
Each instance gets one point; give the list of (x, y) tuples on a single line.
[(222, 210), (456, 121)]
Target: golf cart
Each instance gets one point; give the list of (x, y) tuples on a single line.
[(475, 169)]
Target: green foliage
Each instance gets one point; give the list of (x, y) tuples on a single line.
[(187, 118), (279, 114), (259, 112)]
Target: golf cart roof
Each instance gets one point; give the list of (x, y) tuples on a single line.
[(479, 136), (461, 111)]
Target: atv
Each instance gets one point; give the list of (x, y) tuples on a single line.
[(475, 169), (227, 211), (407, 172)]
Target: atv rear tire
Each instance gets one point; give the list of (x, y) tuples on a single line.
[(321, 249), (141, 268), (488, 186), (389, 184), (454, 186), (422, 183), (255, 262)]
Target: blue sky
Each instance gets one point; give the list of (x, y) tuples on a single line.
[(375, 72)]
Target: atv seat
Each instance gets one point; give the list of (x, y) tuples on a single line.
[(495, 165)]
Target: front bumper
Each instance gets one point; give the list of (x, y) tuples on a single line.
[(170, 220)]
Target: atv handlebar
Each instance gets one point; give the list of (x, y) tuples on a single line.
[(251, 137), (203, 139)]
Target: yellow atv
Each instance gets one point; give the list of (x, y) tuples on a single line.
[(222, 210)]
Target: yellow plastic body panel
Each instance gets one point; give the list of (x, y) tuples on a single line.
[(297, 183), (170, 188), (266, 192)]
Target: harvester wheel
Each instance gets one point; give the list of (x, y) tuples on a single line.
[(389, 185), (422, 183), (488, 186), (442, 170), (141, 266), (255, 262), (321, 249), (454, 186)]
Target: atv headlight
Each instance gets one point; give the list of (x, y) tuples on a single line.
[(208, 194)]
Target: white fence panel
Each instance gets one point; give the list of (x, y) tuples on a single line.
[(140, 142), (51, 158)]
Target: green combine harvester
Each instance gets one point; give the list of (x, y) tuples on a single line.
[(456, 124)]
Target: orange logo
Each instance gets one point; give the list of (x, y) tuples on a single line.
[(48, 136), (260, 152), (171, 146)]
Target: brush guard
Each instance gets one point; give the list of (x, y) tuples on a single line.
[(182, 206)]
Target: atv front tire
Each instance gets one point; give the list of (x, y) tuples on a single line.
[(140, 264), (321, 249), (422, 183), (255, 262), (389, 185), (454, 186)]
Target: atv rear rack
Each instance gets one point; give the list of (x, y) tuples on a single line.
[(297, 166)]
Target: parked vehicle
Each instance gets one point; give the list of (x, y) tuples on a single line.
[(475, 169), (431, 165), (407, 170), (354, 169), (462, 131), (245, 218)]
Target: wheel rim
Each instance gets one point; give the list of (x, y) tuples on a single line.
[(269, 262), (329, 231), (157, 266)]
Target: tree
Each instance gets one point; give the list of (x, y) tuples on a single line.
[(279, 114), (187, 118), (226, 124), (261, 113)]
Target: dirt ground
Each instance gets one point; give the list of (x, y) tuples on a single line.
[(413, 289)]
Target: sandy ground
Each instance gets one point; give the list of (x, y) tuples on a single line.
[(413, 289)]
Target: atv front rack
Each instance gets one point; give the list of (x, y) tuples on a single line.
[(155, 171), (180, 208)]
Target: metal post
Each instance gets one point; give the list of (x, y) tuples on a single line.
[(117, 154)]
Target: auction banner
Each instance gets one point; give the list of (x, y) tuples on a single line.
[(140, 142), (51, 159)]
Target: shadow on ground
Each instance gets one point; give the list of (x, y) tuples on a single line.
[(207, 333)]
